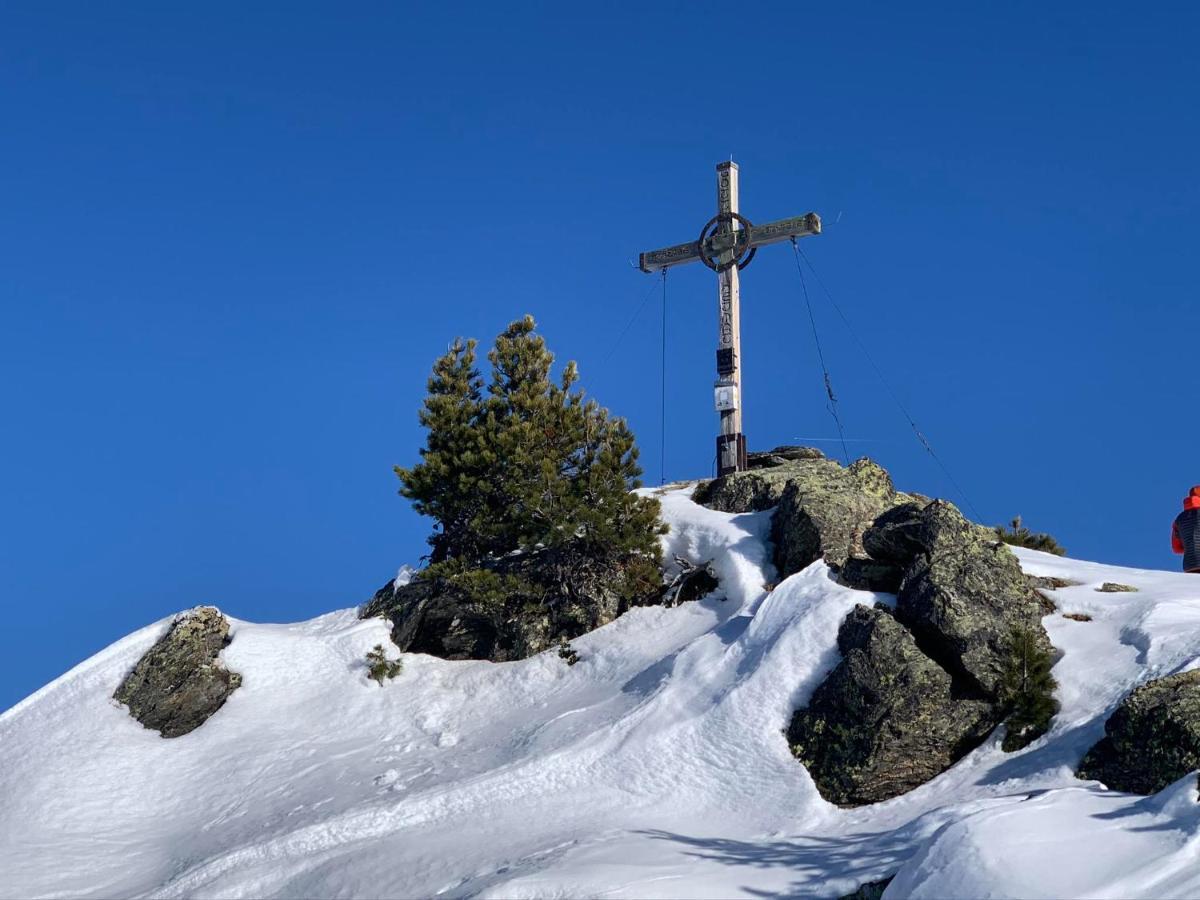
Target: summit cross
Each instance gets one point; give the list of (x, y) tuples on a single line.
[(726, 245)]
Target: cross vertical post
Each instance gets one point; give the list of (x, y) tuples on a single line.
[(726, 245), (731, 442)]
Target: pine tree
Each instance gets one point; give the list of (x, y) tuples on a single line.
[(1027, 689), (451, 483), (1017, 534), (533, 465)]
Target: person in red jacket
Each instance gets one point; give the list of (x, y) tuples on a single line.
[(1185, 533)]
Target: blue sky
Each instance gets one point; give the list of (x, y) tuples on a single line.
[(234, 236)]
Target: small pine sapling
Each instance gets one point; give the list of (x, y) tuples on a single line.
[(567, 652), (380, 667), (1018, 535), (1027, 689)]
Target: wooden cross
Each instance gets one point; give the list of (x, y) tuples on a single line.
[(726, 245)]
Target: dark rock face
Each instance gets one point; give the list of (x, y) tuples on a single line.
[(822, 509), (964, 594), (887, 719), (1152, 739), (781, 456), (179, 683), (762, 486), (437, 618), (919, 688), (870, 890), (898, 535), (551, 599), (866, 574)]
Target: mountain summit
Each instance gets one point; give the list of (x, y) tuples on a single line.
[(658, 757)]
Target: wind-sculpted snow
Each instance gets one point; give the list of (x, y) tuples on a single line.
[(656, 766)]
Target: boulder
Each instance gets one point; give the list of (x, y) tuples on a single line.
[(179, 683), (887, 719), (824, 511), (762, 486), (1152, 739), (897, 535), (518, 606), (781, 456), (963, 594), (438, 617), (1113, 587)]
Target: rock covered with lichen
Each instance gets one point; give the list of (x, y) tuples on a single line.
[(1152, 739), (516, 606), (180, 682), (922, 682), (887, 719)]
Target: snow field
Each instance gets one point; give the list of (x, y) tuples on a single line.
[(657, 766)]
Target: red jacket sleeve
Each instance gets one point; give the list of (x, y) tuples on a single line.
[(1176, 543)]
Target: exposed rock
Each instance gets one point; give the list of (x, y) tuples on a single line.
[(179, 682), (781, 456), (438, 617), (919, 687), (897, 535), (1077, 617), (887, 719), (963, 593), (1112, 587), (1152, 739), (869, 890), (532, 602), (822, 507), (762, 486), (824, 510), (871, 575), (1049, 582)]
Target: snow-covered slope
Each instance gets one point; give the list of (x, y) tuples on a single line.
[(655, 767)]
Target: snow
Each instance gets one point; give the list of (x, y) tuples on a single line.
[(656, 766), (403, 577)]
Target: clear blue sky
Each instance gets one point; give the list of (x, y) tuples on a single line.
[(234, 236)]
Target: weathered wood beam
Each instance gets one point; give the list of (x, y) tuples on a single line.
[(760, 236)]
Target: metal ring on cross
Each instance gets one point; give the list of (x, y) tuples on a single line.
[(739, 254)]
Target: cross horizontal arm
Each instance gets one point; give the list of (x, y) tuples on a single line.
[(760, 235)]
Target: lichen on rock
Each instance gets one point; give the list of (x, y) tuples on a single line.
[(887, 719), (180, 682), (963, 594), (921, 685), (1152, 739), (518, 606), (821, 507)]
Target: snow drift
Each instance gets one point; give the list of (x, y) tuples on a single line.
[(656, 766)]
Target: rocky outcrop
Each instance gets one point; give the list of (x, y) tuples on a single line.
[(822, 507), (921, 685), (761, 487), (518, 606), (823, 513), (1152, 739), (887, 719), (963, 594), (180, 682)]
